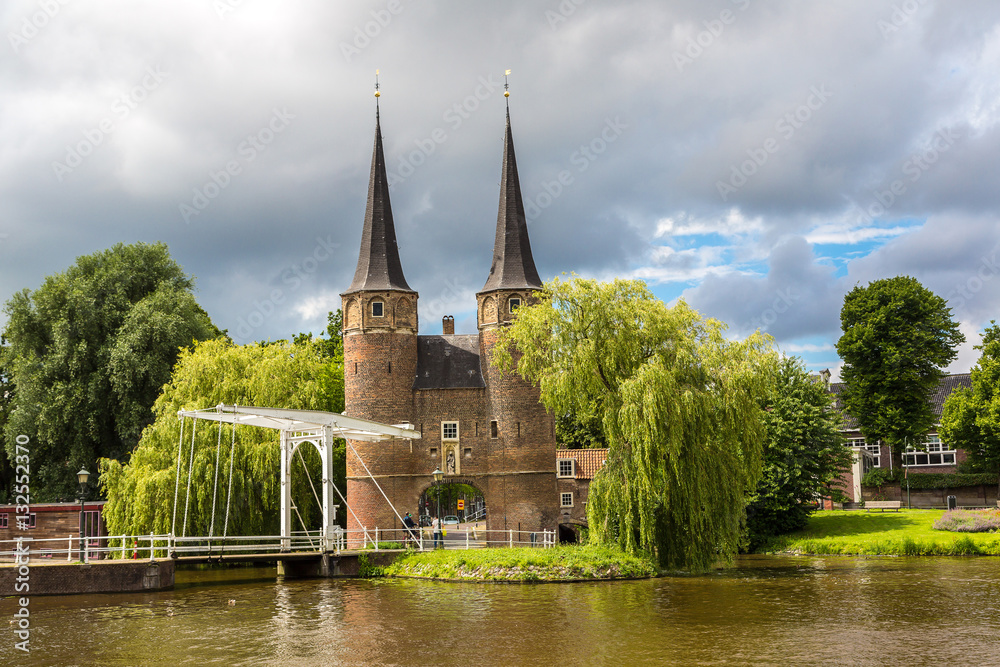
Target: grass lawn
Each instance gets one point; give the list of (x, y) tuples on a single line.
[(561, 563), (903, 533)]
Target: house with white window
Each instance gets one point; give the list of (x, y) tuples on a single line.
[(574, 470), (931, 455)]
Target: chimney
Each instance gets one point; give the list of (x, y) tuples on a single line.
[(448, 325)]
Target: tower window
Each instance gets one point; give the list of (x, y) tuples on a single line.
[(565, 499), (493, 428), (449, 430), (514, 303), (378, 309)]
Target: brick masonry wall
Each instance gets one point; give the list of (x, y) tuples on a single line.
[(580, 489), (101, 577), (970, 496), (57, 523), (515, 471)]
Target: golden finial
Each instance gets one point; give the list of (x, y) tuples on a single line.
[(377, 94), (506, 92)]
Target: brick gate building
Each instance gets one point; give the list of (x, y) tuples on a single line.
[(481, 426)]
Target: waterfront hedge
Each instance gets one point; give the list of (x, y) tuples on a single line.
[(932, 480), (561, 563), (904, 533)]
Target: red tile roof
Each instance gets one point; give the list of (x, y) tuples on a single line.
[(588, 461)]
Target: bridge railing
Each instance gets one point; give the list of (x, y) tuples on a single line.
[(150, 547), (103, 547), (454, 538)]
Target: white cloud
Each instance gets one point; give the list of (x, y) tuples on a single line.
[(837, 234), (731, 225)]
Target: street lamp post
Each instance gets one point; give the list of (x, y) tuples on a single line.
[(438, 476), (82, 477)]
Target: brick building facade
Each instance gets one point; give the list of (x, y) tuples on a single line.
[(931, 456), (479, 425), (52, 525)]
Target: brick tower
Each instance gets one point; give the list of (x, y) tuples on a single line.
[(522, 453), (380, 346), (479, 426)]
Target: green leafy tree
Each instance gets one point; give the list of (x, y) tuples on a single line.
[(897, 338), (803, 454), (282, 375), (580, 430), (6, 405), (89, 351), (971, 416), (678, 407)]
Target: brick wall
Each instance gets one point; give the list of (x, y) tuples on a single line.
[(515, 471), (52, 521), (103, 577)]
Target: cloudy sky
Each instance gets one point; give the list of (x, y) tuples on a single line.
[(758, 159)]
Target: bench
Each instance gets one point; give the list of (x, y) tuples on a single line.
[(883, 505)]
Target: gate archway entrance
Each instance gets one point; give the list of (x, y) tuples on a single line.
[(459, 498)]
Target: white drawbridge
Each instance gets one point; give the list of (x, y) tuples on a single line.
[(296, 427)]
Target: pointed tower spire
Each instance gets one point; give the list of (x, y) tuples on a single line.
[(378, 262), (513, 267)]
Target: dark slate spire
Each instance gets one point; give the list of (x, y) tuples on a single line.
[(378, 263), (513, 266)]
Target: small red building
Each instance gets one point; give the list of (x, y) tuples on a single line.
[(53, 526)]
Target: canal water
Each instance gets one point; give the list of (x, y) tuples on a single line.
[(763, 611)]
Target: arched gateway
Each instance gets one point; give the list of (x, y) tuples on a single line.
[(477, 424)]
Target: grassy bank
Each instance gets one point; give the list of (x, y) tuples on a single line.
[(562, 563), (903, 533)]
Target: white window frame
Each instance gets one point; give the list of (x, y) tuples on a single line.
[(510, 304), (380, 303), (934, 453), (444, 426), (572, 468), (563, 497), (874, 449)]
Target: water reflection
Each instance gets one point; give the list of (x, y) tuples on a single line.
[(772, 611)]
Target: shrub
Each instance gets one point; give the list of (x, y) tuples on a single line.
[(969, 521), (877, 477)]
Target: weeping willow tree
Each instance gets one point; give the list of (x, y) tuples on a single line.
[(677, 403), (141, 492)]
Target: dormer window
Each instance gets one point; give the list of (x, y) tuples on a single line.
[(515, 303), (378, 309)]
